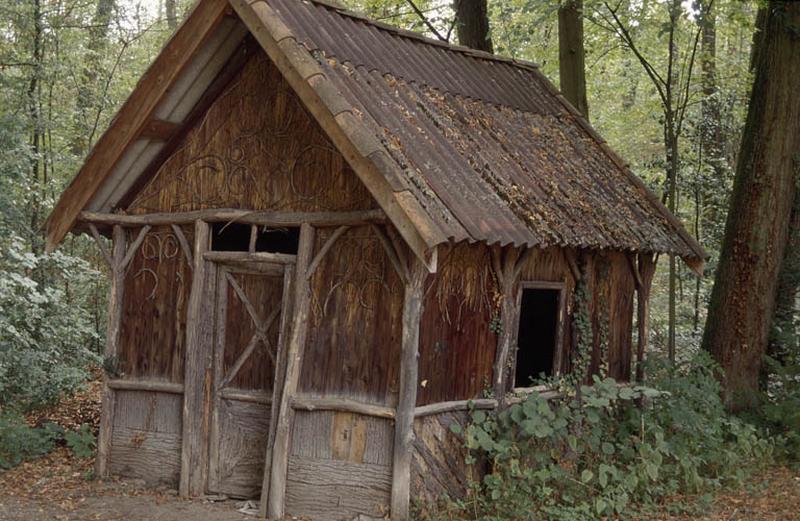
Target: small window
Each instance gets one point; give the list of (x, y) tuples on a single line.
[(539, 332), (238, 237)]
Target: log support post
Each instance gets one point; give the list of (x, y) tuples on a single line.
[(197, 378), (273, 505), (404, 416), (507, 265), (117, 267), (644, 270)]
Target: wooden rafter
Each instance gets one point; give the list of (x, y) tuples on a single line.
[(126, 127)]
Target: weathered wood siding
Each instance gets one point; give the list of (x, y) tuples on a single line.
[(152, 341), (146, 436), (241, 445), (255, 148), (353, 346), (612, 291), (339, 466), (438, 467), (457, 345)]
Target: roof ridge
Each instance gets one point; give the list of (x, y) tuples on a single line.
[(412, 35)]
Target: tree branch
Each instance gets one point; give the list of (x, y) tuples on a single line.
[(425, 20)]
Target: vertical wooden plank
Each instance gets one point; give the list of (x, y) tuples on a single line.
[(404, 417), (199, 344), (277, 385), (111, 351), (274, 506)]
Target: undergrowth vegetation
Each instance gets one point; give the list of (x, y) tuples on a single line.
[(608, 450)]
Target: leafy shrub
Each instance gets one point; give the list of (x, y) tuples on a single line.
[(599, 452), (779, 412), (81, 442), (46, 334), (19, 442)]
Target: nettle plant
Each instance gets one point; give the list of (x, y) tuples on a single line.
[(610, 449)]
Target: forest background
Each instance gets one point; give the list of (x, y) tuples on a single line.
[(668, 84)]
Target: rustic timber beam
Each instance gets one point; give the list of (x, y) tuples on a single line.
[(504, 262), (325, 248), (246, 396), (146, 385), (187, 250), (278, 380), (243, 256), (134, 247), (407, 401), (273, 505), (571, 256), (112, 349), (102, 246), (318, 219), (393, 255), (458, 405), (159, 130), (199, 343), (342, 405)]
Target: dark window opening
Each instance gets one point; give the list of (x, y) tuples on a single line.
[(236, 237), (538, 331)]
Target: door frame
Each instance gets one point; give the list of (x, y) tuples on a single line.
[(261, 264)]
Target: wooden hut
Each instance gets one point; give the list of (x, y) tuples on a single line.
[(329, 235)]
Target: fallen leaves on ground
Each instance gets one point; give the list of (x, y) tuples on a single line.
[(773, 495)]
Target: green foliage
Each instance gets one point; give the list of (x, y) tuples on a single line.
[(617, 450), (81, 442), (19, 442), (779, 412), (46, 340)]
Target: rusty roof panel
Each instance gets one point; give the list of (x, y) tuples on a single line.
[(485, 145)]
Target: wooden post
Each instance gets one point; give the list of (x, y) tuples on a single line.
[(507, 269), (646, 269), (273, 505), (404, 416), (199, 345), (112, 344)]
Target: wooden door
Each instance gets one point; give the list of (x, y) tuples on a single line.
[(250, 330)]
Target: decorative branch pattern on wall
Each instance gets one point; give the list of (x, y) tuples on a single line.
[(153, 326), (360, 272), (353, 347), (256, 148)]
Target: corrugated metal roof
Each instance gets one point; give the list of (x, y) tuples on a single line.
[(486, 145)]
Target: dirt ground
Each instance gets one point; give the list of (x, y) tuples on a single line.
[(60, 487)]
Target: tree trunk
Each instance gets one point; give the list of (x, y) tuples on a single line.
[(784, 338), (86, 101), (171, 14), (472, 24), (572, 70), (756, 232)]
